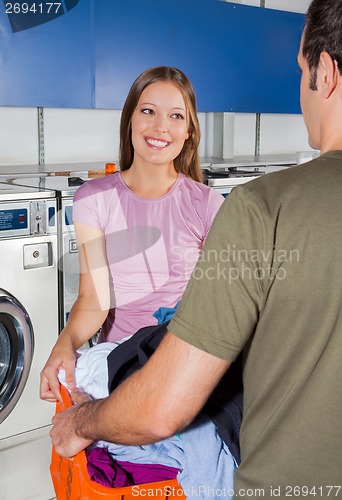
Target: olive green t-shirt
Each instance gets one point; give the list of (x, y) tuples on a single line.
[(269, 282)]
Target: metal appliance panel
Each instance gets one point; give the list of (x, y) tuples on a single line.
[(224, 176), (17, 192), (28, 273), (36, 290)]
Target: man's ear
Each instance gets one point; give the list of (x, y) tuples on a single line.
[(329, 74)]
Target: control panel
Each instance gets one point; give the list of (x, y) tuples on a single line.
[(25, 218)]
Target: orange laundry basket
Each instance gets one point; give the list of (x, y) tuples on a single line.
[(71, 480)]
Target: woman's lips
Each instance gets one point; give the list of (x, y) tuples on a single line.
[(157, 143)]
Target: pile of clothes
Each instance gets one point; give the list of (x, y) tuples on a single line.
[(203, 457)]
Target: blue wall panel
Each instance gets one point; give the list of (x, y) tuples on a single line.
[(46, 60), (239, 58)]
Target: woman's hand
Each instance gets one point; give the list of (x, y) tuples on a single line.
[(62, 356)]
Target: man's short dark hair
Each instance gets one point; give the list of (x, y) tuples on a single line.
[(323, 33)]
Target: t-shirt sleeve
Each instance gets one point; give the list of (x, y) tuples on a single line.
[(221, 304), (85, 206), (215, 201)]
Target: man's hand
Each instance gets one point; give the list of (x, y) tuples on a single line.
[(63, 434)]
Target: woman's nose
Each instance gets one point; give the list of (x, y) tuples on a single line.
[(160, 124)]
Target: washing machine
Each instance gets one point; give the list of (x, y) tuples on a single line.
[(68, 266), (223, 177), (28, 330)]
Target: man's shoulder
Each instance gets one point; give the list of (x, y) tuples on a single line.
[(320, 169)]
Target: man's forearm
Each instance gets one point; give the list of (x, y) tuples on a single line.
[(132, 415), (156, 401), (96, 420)]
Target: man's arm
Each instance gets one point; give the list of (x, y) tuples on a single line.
[(154, 403)]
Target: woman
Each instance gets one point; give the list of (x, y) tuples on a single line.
[(139, 232)]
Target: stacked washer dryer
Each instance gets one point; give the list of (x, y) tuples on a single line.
[(28, 330)]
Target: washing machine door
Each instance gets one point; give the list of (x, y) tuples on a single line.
[(16, 351)]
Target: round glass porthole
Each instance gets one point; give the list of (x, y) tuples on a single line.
[(16, 351)]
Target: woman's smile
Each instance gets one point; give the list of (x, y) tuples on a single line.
[(157, 143)]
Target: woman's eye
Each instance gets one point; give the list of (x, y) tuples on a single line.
[(147, 111), (178, 116)]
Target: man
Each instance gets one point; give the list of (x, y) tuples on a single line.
[(269, 283)]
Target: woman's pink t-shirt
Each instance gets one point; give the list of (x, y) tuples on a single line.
[(152, 244)]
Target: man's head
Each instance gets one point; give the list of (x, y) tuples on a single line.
[(323, 32), (320, 61)]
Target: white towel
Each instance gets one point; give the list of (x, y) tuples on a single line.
[(91, 372)]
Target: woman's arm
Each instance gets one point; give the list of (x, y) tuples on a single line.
[(87, 314)]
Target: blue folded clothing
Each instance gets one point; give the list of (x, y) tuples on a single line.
[(165, 313)]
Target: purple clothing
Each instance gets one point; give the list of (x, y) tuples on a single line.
[(115, 474), (152, 244)]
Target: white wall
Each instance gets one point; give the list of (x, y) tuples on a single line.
[(286, 132), (79, 135), (299, 6), (73, 135), (18, 135)]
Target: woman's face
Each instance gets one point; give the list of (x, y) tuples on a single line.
[(159, 124)]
